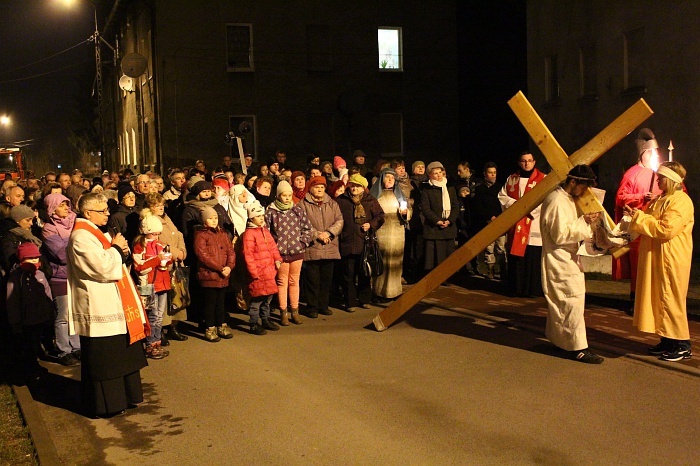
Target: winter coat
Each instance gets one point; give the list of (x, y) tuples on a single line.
[(260, 253), (291, 229), (323, 217), (124, 220), (29, 299), (172, 237), (486, 203), (431, 208), (352, 238), (56, 233), (147, 262), (214, 252)]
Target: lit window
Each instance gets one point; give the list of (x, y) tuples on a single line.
[(390, 48)]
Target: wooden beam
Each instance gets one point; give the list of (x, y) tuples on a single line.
[(590, 152)]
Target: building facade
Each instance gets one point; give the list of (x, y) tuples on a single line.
[(310, 76), (589, 60)]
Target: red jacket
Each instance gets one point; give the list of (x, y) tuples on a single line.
[(146, 257), (260, 252), (214, 252)]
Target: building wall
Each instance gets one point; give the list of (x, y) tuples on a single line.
[(331, 112), (669, 59)]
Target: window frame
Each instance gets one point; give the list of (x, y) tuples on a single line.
[(400, 67), (251, 49)]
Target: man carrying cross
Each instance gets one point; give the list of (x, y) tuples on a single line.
[(563, 281)]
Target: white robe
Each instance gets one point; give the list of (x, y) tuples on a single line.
[(563, 281)]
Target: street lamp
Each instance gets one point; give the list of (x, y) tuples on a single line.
[(96, 38), (5, 120)]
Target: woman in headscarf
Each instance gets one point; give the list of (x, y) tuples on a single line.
[(239, 199), (56, 232), (391, 237), (298, 183)]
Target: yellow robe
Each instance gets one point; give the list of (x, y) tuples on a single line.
[(665, 253)]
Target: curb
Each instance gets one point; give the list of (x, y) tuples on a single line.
[(46, 452)]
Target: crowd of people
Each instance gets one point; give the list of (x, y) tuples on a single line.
[(264, 241)]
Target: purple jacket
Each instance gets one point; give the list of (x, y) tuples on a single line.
[(56, 233)]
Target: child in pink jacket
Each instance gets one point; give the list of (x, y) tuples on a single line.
[(262, 258)]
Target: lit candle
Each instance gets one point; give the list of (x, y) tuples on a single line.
[(670, 151)]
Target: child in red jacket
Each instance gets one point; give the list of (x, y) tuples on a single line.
[(215, 260), (262, 258), (151, 263)]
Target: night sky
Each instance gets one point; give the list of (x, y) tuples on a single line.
[(45, 99)]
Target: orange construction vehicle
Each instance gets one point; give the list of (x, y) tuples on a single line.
[(11, 162)]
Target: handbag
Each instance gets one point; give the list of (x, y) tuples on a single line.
[(179, 292), (372, 261)]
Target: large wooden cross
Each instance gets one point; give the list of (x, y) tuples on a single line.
[(560, 164)]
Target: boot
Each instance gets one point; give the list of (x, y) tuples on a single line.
[(489, 274), (267, 324), (163, 338), (173, 334), (296, 318), (284, 317), (211, 335), (256, 329)]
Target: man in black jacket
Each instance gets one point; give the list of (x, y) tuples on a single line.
[(487, 208)]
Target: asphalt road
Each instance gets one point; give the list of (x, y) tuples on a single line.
[(440, 387)]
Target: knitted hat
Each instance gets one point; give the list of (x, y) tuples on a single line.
[(358, 179), (151, 224), (416, 164), (335, 187), (27, 250), (338, 162), (123, 190), (200, 186), (255, 209), (358, 153), (296, 174), (194, 179), (20, 212), (314, 181), (433, 165), (208, 212), (221, 183), (283, 187)]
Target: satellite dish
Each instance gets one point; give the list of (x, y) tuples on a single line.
[(134, 64), (126, 83), (245, 128)]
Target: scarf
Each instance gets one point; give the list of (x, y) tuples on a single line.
[(378, 187), (63, 225), (26, 236), (131, 302), (446, 205), (281, 206), (359, 211)]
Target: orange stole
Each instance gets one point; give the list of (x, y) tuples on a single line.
[(131, 303), (520, 233)]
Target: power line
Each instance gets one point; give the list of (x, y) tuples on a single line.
[(44, 59), (26, 78)]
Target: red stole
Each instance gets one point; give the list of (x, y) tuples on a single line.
[(131, 303), (520, 233)]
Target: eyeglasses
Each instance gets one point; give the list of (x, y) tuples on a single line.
[(104, 212)]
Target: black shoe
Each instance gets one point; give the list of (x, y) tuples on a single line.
[(256, 329), (325, 312), (587, 357), (77, 354), (68, 360), (164, 340), (173, 334), (267, 324), (677, 355), (311, 313), (664, 346)]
